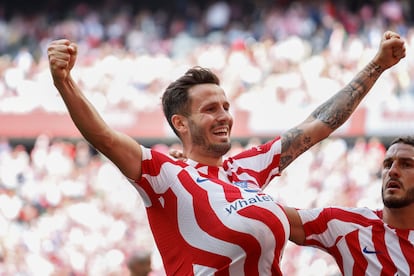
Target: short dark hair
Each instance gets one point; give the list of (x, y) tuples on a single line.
[(175, 99), (409, 140)]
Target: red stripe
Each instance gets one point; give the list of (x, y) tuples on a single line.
[(407, 248), (378, 236), (169, 243), (179, 256), (336, 254), (255, 153), (276, 227), (360, 263)]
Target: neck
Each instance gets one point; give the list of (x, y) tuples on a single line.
[(204, 159), (401, 218)]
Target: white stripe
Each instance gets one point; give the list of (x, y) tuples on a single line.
[(395, 250), (203, 270), (365, 240), (348, 261), (411, 237)]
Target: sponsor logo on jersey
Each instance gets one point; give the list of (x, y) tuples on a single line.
[(248, 186), (242, 203)]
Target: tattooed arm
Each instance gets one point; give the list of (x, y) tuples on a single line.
[(336, 110)]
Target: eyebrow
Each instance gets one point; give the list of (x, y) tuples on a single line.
[(399, 158)]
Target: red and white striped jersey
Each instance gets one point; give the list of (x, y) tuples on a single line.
[(359, 240), (215, 220)]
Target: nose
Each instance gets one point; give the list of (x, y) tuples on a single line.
[(224, 115), (394, 169)]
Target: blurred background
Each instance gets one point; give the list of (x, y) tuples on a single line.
[(65, 210)]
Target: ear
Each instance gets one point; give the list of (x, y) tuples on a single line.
[(180, 123)]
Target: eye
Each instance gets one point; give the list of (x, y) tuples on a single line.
[(387, 164), (210, 109), (226, 106), (406, 164)]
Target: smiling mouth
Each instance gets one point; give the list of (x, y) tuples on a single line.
[(221, 132)]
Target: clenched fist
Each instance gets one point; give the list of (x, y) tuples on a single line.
[(62, 56)]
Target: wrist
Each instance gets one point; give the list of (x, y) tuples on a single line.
[(374, 69)]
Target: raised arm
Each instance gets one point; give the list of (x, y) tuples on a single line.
[(121, 149), (336, 110)]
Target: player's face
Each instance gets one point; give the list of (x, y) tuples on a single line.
[(398, 176), (210, 121)]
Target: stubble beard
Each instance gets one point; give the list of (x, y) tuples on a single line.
[(398, 202), (199, 139)]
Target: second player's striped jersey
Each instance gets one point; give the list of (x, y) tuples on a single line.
[(360, 242)]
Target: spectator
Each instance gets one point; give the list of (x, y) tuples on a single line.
[(139, 264)]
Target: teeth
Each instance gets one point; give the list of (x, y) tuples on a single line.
[(221, 131)]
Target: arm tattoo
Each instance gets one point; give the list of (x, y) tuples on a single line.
[(374, 71), (338, 108), (334, 112), (294, 142)]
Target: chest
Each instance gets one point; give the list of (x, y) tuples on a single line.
[(219, 201)]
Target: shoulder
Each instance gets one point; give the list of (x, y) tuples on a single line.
[(272, 147), (338, 212)]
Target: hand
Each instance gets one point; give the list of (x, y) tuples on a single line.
[(62, 56), (177, 154), (392, 50)]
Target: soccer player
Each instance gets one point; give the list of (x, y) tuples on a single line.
[(364, 241), (208, 213)]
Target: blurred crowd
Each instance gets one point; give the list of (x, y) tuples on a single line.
[(65, 210), (270, 56)]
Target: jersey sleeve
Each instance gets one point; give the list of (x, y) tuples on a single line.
[(259, 164), (156, 177), (320, 231)]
